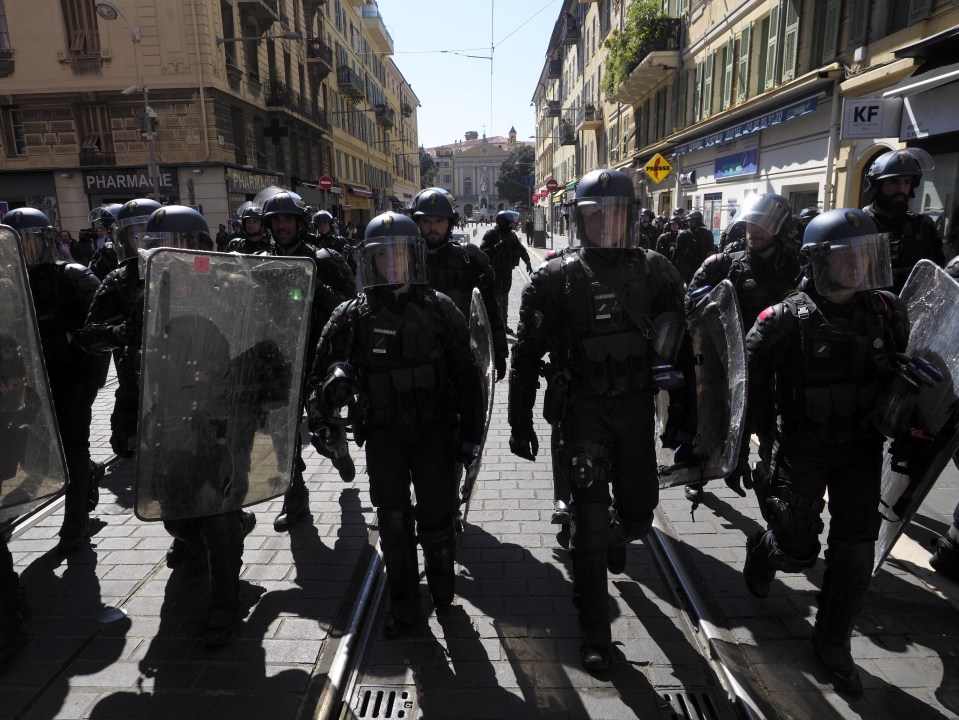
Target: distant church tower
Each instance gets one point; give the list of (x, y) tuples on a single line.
[(512, 137)]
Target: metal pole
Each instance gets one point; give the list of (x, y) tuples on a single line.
[(150, 135)]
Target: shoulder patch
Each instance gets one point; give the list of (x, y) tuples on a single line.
[(765, 314)]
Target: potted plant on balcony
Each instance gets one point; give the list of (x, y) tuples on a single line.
[(640, 30)]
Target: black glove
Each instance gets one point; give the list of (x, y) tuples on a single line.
[(122, 333), (741, 475), (529, 268), (500, 367), (122, 443), (523, 443), (466, 455), (906, 448)]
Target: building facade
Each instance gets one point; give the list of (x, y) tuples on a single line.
[(765, 96), (201, 102)]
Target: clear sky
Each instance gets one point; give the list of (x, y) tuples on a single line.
[(454, 91)]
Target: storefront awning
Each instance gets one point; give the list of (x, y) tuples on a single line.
[(783, 114), (572, 185), (360, 192), (558, 195)]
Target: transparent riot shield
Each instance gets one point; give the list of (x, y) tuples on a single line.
[(481, 343), (224, 347), (32, 467), (719, 354), (932, 301)]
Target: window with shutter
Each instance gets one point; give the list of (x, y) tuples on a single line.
[(790, 39), (744, 56), (772, 48), (918, 10), (708, 73), (729, 53), (829, 31), (681, 100), (698, 93), (858, 22)]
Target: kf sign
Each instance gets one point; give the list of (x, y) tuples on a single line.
[(871, 117)]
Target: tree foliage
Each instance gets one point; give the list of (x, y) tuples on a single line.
[(427, 170), (640, 29), (518, 166)]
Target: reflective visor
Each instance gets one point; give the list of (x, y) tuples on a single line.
[(125, 241), (39, 245), (177, 240), (603, 222), (391, 261), (860, 263)]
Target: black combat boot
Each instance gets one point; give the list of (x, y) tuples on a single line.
[(847, 576), (296, 501), (97, 471), (223, 535), (589, 543), (439, 554), (75, 531), (398, 543), (945, 560), (758, 571)]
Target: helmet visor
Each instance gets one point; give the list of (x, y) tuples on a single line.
[(39, 245), (150, 240), (603, 222), (391, 261), (125, 241), (767, 214), (859, 263)]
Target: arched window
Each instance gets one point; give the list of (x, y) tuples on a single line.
[(467, 186)]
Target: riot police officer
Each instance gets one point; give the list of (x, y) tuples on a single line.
[(892, 179), (284, 215), (115, 321), (454, 268), (407, 345), (647, 230), (821, 357), (62, 293), (601, 311), (805, 217), (105, 258), (252, 238), (131, 218), (693, 246), (762, 274), (666, 242), (504, 250)]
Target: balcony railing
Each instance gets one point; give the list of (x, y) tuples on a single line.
[(350, 84), (379, 37), (571, 31), (407, 109), (552, 108), (93, 157), (260, 13), (554, 69), (279, 96), (653, 62), (589, 117), (385, 116), (567, 132), (319, 53)]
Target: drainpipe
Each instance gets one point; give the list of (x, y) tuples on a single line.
[(199, 77), (832, 147)]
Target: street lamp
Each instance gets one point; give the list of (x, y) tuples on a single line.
[(288, 35), (109, 11)]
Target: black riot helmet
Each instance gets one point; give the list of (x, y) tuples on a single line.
[(770, 212), (603, 211), (911, 162), (250, 211), (505, 219), (806, 215), (952, 267), (695, 215), (844, 251), (105, 215), (393, 252), (132, 218), (322, 216), (38, 238), (284, 203), (435, 202), (175, 226)]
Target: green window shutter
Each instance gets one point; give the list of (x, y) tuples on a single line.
[(698, 93), (744, 50), (681, 100), (858, 22), (772, 48), (708, 72), (790, 39), (728, 73), (918, 10), (829, 31)]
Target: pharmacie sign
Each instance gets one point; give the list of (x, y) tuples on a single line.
[(137, 180)]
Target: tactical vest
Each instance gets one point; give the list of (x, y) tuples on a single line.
[(59, 313), (605, 336), (453, 273), (402, 360), (831, 385), (758, 288)]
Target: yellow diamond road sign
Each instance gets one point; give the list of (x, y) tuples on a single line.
[(658, 168)]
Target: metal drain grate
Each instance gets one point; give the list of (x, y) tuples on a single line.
[(700, 704), (385, 702)]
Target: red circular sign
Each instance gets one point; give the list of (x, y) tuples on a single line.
[(326, 182), (551, 185), (535, 197)]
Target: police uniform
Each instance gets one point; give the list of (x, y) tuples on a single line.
[(914, 238), (504, 251), (692, 249), (417, 392), (593, 310)]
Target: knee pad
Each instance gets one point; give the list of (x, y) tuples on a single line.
[(625, 530), (782, 560), (787, 511), (588, 463)]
